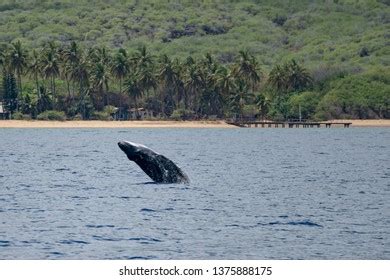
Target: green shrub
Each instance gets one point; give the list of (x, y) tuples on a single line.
[(20, 116), (305, 102), (279, 20), (101, 116), (358, 96), (52, 115), (111, 110), (182, 114), (78, 117)]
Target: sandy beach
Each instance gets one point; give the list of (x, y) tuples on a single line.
[(154, 124), (366, 123), (113, 124)]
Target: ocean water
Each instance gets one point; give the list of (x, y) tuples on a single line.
[(254, 194)]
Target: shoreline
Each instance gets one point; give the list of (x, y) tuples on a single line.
[(112, 124), (366, 123), (154, 124)]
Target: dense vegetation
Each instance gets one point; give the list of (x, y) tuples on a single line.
[(196, 59)]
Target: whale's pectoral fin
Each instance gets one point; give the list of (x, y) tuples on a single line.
[(151, 168), (171, 172)]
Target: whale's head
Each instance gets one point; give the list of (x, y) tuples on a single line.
[(132, 150)]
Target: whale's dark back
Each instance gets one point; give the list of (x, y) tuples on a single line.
[(156, 166), (162, 170)]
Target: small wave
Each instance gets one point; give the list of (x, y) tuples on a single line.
[(101, 238), (62, 169), (147, 210), (291, 223), (273, 223), (322, 153), (353, 232), (79, 197), (232, 225), (304, 223), (71, 241), (30, 242), (56, 253), (100, 226), (5, 243), (144, 239), (123, 228), (147, 183), (141, 258)]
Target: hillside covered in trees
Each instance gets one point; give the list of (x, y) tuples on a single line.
[(196, 59)]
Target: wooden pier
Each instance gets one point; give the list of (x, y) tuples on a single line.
[(287, 124)]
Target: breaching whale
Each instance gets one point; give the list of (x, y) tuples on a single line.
[(155, 165)]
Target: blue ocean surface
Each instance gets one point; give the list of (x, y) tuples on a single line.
[(254, 194)]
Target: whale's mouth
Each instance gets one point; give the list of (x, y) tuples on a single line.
[(122, 145), (128, 148)]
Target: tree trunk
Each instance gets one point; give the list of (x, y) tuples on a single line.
[(36, 82), (136, 108), (54, 92), (54, 86), (120, 98), (20, 89), (163, 102), (80, 87), (68, 86), (107, 97)]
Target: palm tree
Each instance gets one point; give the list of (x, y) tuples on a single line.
[(262, 102), (50, 65), (247, 69), (225, 82), (298, 77), (133, 90), (193, 85), (120, 66), (35, 68), (278, 78), (78, 73), (70, 58), (211, 98), (181, 94), (72, 54), (168, 78), (289, 77), (146, 79), (99, 81), (2, 59), (98, 54), (143, 59), (144, 70), (239, 97), (77, 69), (17, 61)]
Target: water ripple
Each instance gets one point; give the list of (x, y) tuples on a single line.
[(254, 193)]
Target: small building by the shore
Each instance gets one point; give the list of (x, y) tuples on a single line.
[(141, 114), (4, 114)]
